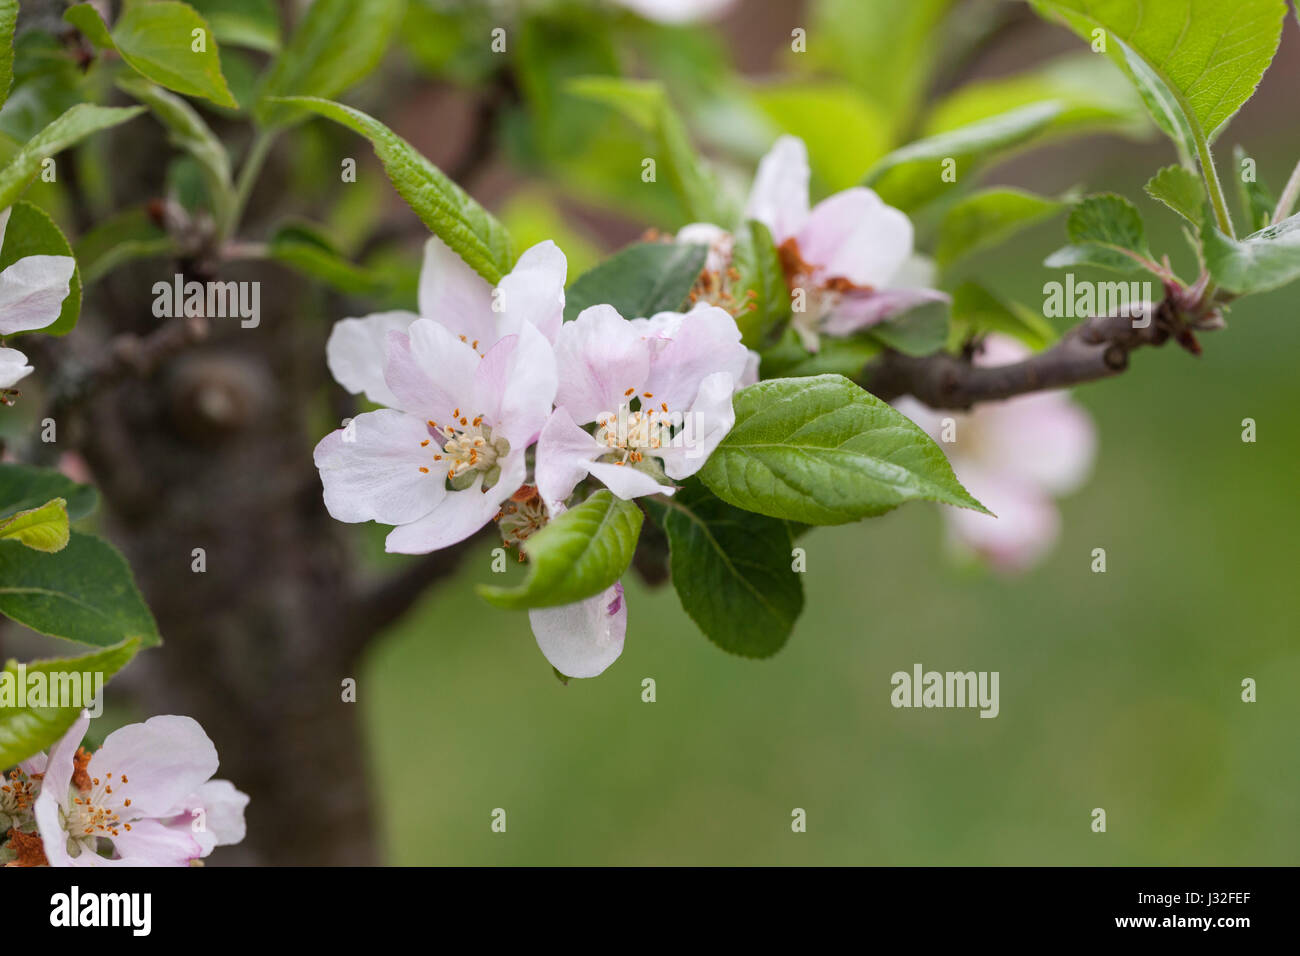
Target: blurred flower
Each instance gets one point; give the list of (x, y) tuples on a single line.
[(1015, 457), (678, 369), (130, 793), (32, 291), (677, 11), (851, 255)]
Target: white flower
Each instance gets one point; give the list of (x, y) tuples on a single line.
[(32, 291)]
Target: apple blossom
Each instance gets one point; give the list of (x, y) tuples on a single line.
[(133, 793), (32, 291), (678, 369), (582, 639), (1014, 456), (850, 255)]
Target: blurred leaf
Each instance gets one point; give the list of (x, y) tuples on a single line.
[(1265, 260), (8, 20), (46, 83), (305, 249), (988, 218), (337, 44), (789, 359), (919, 331), (83, 593), (130, 234), (845, 132), (41, 529), (165, 41), (32, 232), (732, 571), (469, 229), (976, 310), (644, 278), (25, 731), (1257, 204), (252, 24), (1105, 231), (761, 296), (580, 553), (646, 104), (532, 216), (24, 486), (448, 40), (824, 451), (914, 174), (74, 125)]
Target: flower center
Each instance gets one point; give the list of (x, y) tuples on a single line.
[(468, 448), (17, 794), (91, 815), (630, 435)]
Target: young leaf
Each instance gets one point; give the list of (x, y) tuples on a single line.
[(23, 487), (469, 229), (252, 24), (1181, 190), (732, 572), (41, 529), (1106, 231), (164, 41), (8, 20), (975, 310), (919, 331), (303, 248), (74, 125), (644, 278), (32, 232), (824, 451), (336, 45), (1265, 260), (988, 218), (760, 296), (83, 593), (24, 731), (1257, 203), (581, 553), (838, 356)]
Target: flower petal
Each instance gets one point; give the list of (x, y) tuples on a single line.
[(855, 236), (599, 357), (533, 292), (626, 481), (431, 371), (705, 342), (13, 367), (32, 291), (371, 469), (454, 295), (583, 639), (461, 513), (857, 310), (710, 418), (779, 197), (564, 456), (147, 843), (1024, 530), (161, 761), (357, 351), (514, 386)]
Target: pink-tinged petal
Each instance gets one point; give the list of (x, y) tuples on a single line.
[(515, 385), (357, 351), (533, 292), (599, 357), (58, 777), (13, 367), (715, 238), (564, 455), (710, 418), (626, 481), (371, 469), (750, 375), (147, 843), (222, 809), (431, 371), (161, 760), (32, 291), (706, 342), (1045, 438), (855, 236), (461, 513), (583, 639), (36, 763), (857, 310), (779, 197), (454, 295), (1026, 526)]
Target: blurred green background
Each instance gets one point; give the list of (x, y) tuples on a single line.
[(1119, 690)]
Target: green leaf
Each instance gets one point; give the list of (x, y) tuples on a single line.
[(41, 529), (976, 310), (24, 731), (988, 218), (74, 125), (638, 281), (304, 249), (918, 172), (732, 571), (83, 593), (581, 553), (23, 487), (824, 451), (759, 292), (919, 331), (1200, 59), (839, 356), (1257, 203), (1106, 231), (1180, 189), (32, 232), (8, 20), (186, 130), (469, 229), (1268, 259), (337, 44), (646, 104), (166, 42), (252, 24)]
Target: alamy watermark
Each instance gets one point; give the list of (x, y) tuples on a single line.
[(1085, 299), (81, 689), (213, 300), (923, 688)]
